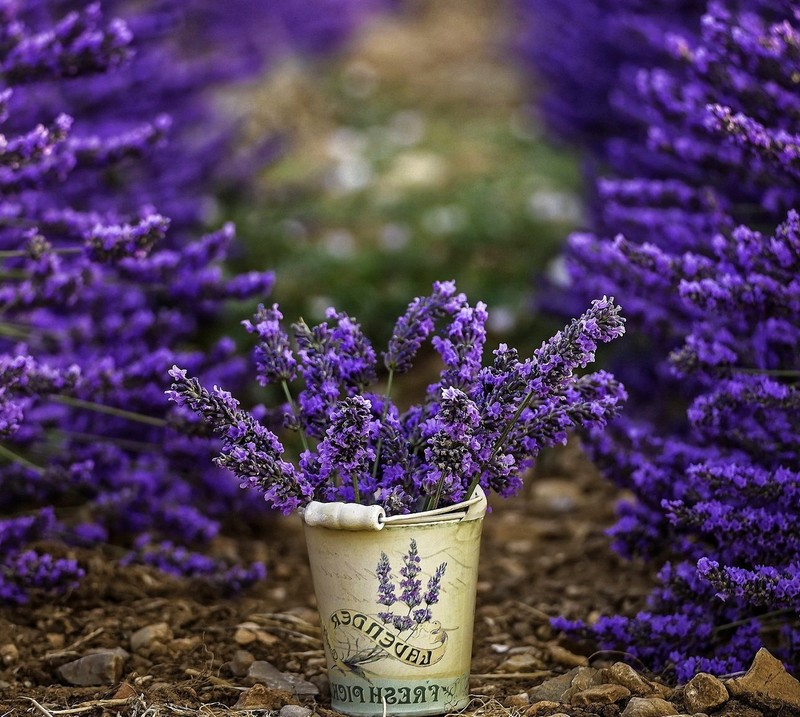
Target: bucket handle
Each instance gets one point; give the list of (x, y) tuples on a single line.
[(353, 516)]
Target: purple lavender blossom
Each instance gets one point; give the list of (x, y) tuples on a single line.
[(178, 560), (461, 348), (345, 456), (79, 44), (453, 452), (335, 361)]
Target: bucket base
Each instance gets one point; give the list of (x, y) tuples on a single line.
[(362, 697)]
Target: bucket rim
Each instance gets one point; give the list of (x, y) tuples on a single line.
[(458, 511), (339, 515)]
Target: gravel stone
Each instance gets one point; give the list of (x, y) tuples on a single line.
[(562, 656), (520, 699), (648, 707), (583, 679), (601, 694), (267, 674), (157, 632), (704, 693), (244, 636), (551, 690), (294, 711), (520, 663), (99, 668), (766, 681), (623, 674), (260, 697), (9, 653), (241, 662)]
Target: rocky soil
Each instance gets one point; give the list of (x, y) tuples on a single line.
[(132, 641)]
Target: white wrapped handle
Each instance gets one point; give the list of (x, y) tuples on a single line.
[(344, 516)]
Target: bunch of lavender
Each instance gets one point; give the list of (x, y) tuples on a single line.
[(101, 292), (703, 205), (478, 425)]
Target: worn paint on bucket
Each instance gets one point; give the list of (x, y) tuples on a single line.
[(396, 598)]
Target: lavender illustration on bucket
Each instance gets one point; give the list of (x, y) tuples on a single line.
[(418, 605), (406, 633)]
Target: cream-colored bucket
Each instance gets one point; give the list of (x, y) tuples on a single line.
[(396, 597)]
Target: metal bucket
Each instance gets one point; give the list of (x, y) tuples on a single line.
[(396, 598)]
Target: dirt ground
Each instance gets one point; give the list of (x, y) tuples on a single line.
[(543, 554)]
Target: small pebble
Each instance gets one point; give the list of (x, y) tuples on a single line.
[(541, 706), (185, 644), (520, 663), (621, 673), (521, 699), (266, 638), (260, 697), (562, 656), (9, 653), (56, 640), (244, 636), (648, 707), (157, 632), (294, 711), (100, 668), (704, 693), (241, 662), (602, 694), (766, 680)]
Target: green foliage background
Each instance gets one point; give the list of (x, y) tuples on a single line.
[(411, 157)]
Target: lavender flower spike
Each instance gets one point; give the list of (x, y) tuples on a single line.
[(418, 323), (273, 354), (574, 347), (251, 451), (453, 456), (345, 452)]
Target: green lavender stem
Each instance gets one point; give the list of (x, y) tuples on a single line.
[(303, 438), (19, 253), (16, 458), (111, 410), (379, 445), (501, 440)]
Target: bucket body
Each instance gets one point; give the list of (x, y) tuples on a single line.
[(396, 598)]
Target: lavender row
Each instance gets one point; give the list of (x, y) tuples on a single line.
[(113, 272), (695, 230)]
